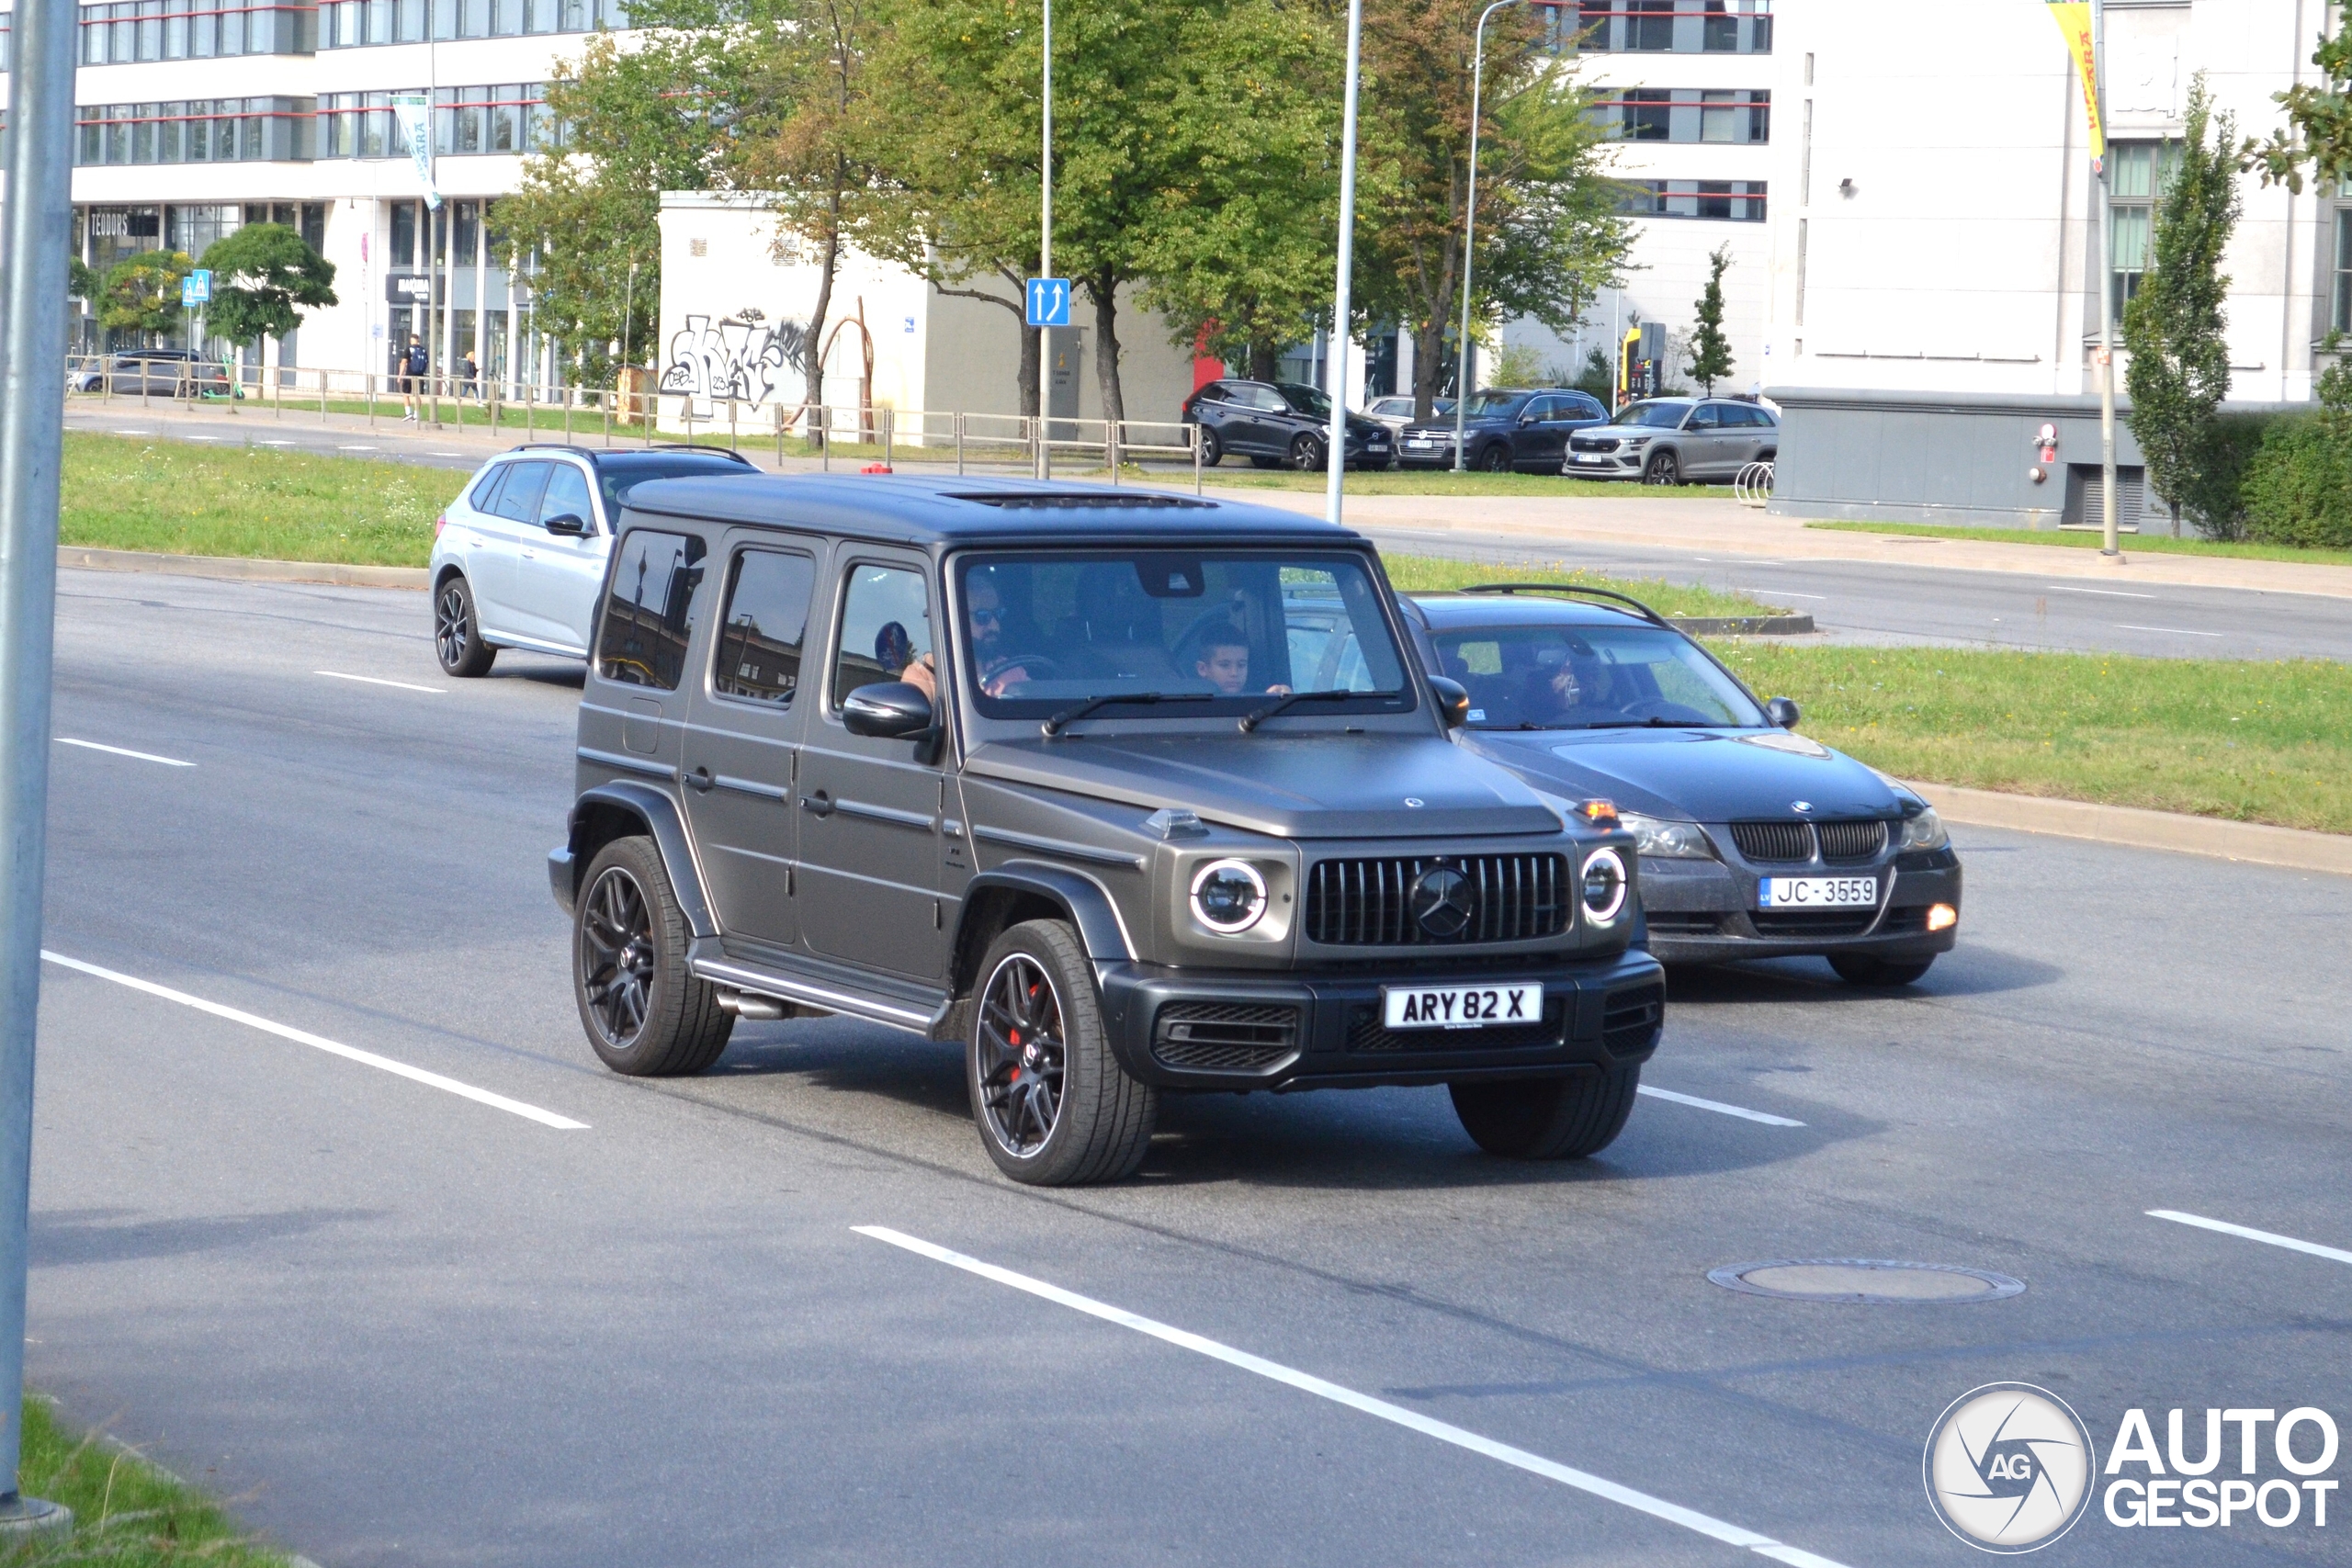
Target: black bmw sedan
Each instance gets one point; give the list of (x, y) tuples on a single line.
[(1504, 430), (1755, 842), (1279, 424)]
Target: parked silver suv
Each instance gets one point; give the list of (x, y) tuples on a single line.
[(518, 557), (1668, 441)]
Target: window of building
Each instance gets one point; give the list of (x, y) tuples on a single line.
[(216, 131), (355, 24), (1737, 201), (510, 119), (128, 31), (2137, 174), (1687, 114), (1659, 27), (2340, 307)]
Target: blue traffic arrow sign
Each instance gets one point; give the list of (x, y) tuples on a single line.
[(1049, 302)]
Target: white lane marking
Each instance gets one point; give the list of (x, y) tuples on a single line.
[(134, 433), (1780, 592), (266, 443), (358, 448), (199, 438), (2103, 593), (121, 751), (1412, 1420), (2289, 1243), (374, 681), (1718, 1106), (2170, 631), (445, 454), (320, 1043)]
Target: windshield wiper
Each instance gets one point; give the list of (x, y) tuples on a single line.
[(1280, 703), (1068, 716), (1635, 724)]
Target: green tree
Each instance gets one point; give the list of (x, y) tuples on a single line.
[(1710, 349), (2318, 133), (1549, 233), (141, 293), (2176, 325), (81, 282), (263, 277)]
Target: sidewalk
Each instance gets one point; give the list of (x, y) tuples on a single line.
[(1705, 524)]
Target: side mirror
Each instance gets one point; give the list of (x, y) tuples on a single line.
[(1525, 420), (1783, 712), (1453, 701), (569, 523), (889, 710)]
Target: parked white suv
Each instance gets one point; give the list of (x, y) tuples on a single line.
[(519, 556)]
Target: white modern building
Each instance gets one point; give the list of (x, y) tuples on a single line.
[(196, 117)]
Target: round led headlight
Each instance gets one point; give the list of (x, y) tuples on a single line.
[(1228, 895), (1605, 885)]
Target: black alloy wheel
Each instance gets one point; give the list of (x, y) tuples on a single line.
[(1495, 459), (646, 1013), (1548, 1118), (1022, 1055), (1211, 448), (1307, 454), (1664, 469), (457, 631)]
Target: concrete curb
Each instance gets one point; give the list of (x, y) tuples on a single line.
[(2259, 842), (242, 570), (1743, 626)]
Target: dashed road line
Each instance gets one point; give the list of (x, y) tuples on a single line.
[(1397, 1415), (1780, 592), (2169, 631), (1718, 1107), (123, 751), (379, 681), (320, 1043), (2102, 593), (2247, 1233)]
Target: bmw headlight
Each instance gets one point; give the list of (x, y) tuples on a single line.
[(1228, 895), (1605, 885), (1925, 831), (1659, 838)]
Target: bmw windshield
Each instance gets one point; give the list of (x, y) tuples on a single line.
[(1225, 633), (1596, 677)]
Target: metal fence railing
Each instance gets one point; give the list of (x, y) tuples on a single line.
[(827, 433)]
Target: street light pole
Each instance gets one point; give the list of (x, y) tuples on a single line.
[(1045, 464), (1470, 223), (2109, 548), (33, 227), (1335, 370)]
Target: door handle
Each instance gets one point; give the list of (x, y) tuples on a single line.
[(699, 779), (818, 804)]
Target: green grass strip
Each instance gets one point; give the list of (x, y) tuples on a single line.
[(127, 1513), (2081, 539), (2242, 739)]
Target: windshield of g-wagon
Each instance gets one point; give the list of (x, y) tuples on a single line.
[(1597, 677), (1039, 633)]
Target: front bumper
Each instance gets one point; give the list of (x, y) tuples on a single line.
[(1618, 465), (1705, 912), (1231, 1030)]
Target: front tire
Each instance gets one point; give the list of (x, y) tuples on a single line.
[(1495, 460), (646, 1013), (1863, 969), (457, 631), (1664, 469), (1548, 1118), (1307, 454), (1054, 1107)]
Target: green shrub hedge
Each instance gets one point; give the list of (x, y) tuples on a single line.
[(2297, 488)]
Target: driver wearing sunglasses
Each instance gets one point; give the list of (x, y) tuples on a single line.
[(984, 615)]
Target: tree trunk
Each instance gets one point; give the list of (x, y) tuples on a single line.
[(1265, 358), (1104, 287), (813, 388), (1429, 364)]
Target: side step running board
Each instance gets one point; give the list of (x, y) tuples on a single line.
[(826, 998)]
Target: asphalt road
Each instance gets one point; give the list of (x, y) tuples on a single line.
[(1849, 601), (1870, 602), (410, 1325)]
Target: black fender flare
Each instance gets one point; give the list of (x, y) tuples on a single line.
[(1089, 906), (666, 825)]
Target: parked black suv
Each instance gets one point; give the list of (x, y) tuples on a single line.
[(1503, 429), (1126, 792), (1279, 424)]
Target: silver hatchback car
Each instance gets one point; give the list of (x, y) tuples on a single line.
[(519, 556)]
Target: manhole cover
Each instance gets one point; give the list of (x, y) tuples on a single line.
[(1864, 1281)]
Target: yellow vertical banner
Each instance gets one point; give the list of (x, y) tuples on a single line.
[(2073, 19)]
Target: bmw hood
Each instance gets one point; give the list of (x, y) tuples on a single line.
[(1310, 786), (1705, 776)]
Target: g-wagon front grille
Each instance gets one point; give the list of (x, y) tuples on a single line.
[(1847, 843), (1773, 841), (1631, 1019), (1223, 1036), (1369, 903)]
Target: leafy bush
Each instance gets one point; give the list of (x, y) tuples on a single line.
[(2298, 488)]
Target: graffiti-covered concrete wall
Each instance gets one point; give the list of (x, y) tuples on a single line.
[(736, 309)]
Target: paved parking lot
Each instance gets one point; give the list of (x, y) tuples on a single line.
[(369, 1241)]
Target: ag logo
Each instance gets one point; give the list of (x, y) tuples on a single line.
[(2009, 1467)]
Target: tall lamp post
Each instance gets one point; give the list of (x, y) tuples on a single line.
[(32, 413), (2107, 547), (1335, 371), (1045, 256), (1470, 219)]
